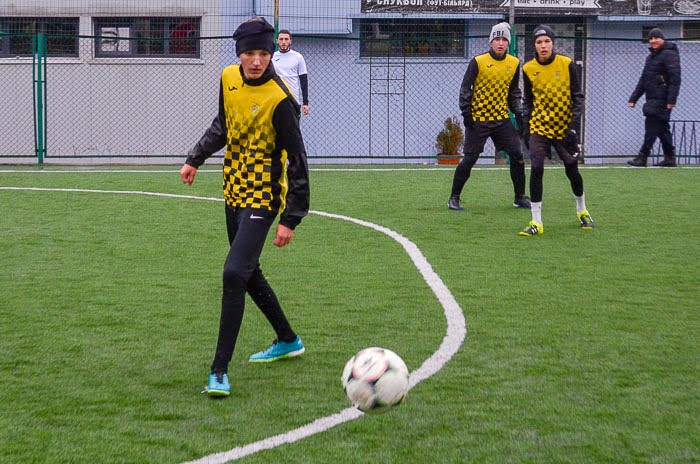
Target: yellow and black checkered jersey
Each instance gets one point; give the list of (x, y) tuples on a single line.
[(265, 161), (254, 172), (548, 96), (491, 86)]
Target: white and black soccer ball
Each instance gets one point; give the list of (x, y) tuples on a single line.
[(375, 380)]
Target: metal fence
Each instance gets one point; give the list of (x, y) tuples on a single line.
[(376, 101)]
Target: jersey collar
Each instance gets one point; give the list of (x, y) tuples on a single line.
[(266, 76), (549, 61), (495, 57)]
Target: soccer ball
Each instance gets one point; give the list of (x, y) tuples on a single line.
[(375, 380)]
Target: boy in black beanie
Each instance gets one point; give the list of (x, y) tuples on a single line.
[(265, 175), (553, 104)]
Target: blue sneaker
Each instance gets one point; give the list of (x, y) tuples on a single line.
[(218, 385), (279, 350)]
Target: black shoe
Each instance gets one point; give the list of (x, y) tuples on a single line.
[(638, 162), (667, 162), (454, 203), (523, 201)]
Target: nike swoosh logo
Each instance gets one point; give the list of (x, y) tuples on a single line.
[(253, 216)]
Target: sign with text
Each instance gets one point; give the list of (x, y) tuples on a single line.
[(543, 7), (566, 4)]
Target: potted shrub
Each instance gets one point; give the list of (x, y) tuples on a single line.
[(449, 141)]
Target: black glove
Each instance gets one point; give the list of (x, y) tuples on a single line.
[(468, 121), (571, 142), (571, 136)]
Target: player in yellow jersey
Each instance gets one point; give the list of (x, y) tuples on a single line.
[(490, 87), (553, 105), (265, 174)]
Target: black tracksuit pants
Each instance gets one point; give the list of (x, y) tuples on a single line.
[(504, 137), (247, 231), (540, 148)]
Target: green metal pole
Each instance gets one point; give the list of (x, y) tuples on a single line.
[(40, 110), (34, 53), (277, 20)]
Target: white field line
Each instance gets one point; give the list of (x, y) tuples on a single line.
[(118, 192), (451, 342)]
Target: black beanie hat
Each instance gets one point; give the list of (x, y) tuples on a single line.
[(656, 33), (543, 30), (254, 34)]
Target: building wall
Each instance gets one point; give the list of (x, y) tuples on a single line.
[(117, 107), (339, 88), (114, 106)]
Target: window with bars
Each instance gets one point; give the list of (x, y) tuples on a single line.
[(147, 37), (17, 36), (412, 37)]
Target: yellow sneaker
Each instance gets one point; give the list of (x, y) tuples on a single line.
[(533, 228), (586, 220)]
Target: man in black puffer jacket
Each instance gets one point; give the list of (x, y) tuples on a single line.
[(660, 83)]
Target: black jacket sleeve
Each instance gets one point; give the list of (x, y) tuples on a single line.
[(515, 96), (577, 99), (638, 90), (304, 82), (213, 140), (467, 90), (285, 119), (672, 61), (528, 97)]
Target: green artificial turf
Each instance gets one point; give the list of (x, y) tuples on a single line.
[(581, 346)]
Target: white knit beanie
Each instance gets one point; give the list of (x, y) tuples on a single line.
[(500, 30)]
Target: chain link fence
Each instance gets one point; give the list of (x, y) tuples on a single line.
[(376, 100)]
